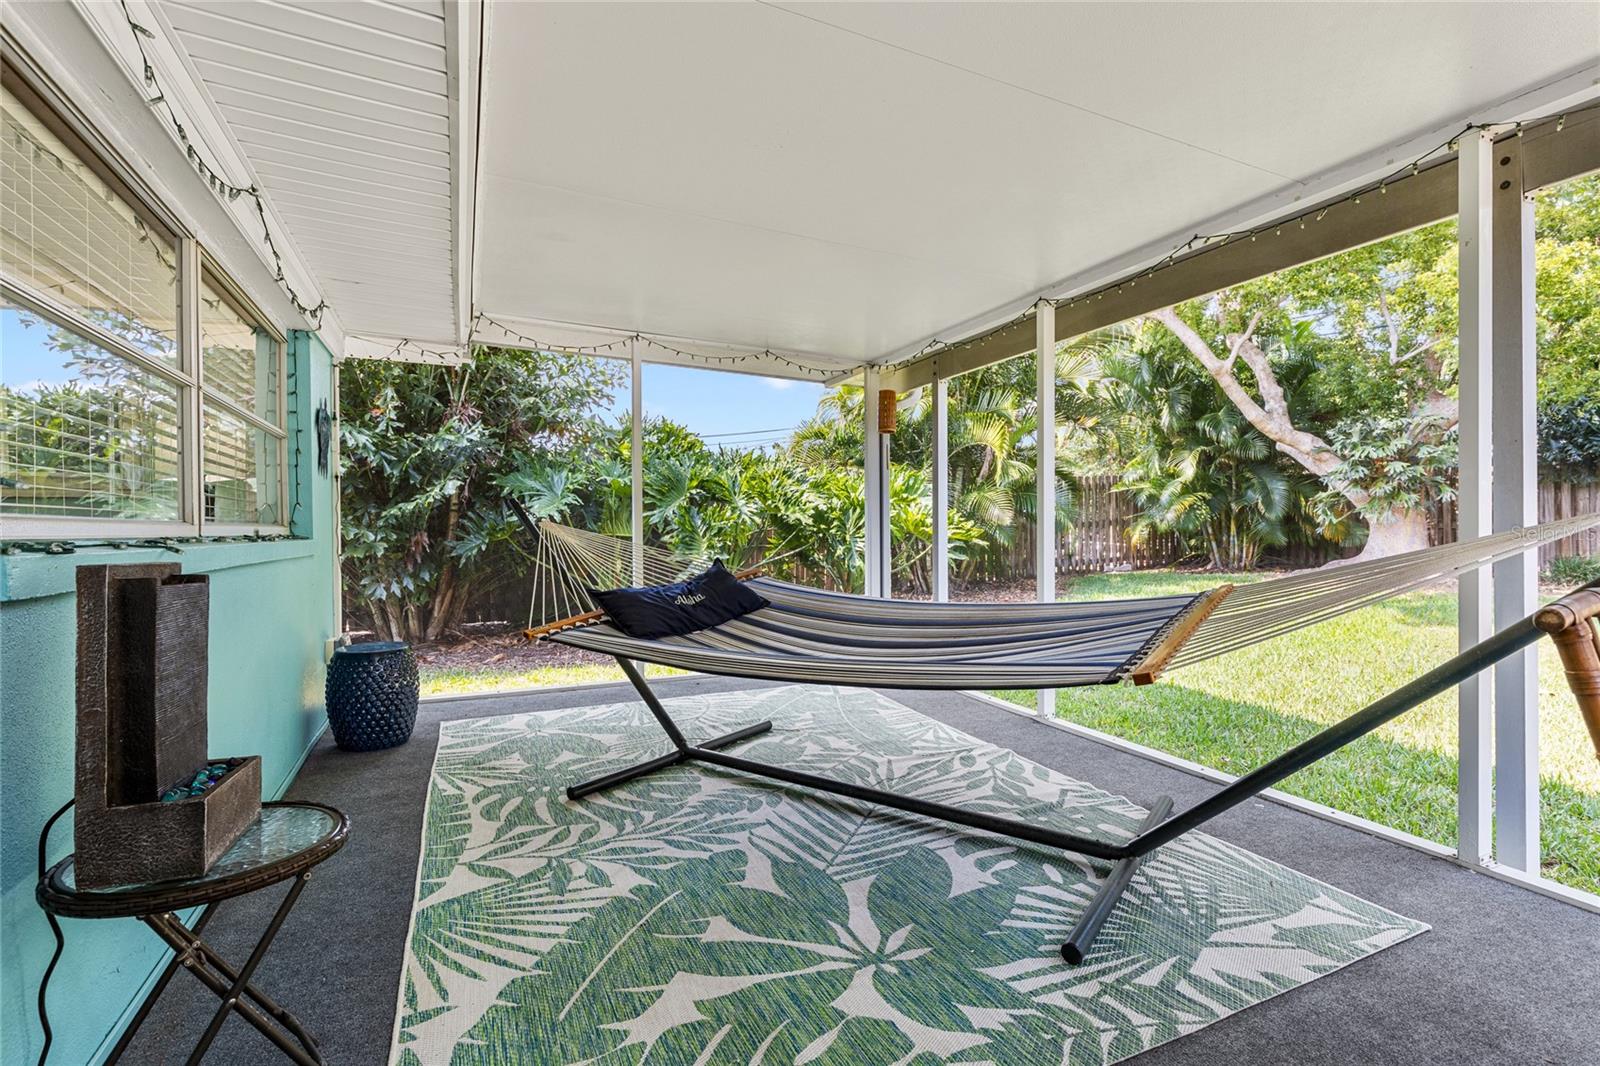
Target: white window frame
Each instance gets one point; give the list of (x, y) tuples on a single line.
[(211, 274), (187, 375)]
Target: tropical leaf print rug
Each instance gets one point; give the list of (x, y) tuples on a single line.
[(699, 917)]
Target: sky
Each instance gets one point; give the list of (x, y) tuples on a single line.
[(722, 407), (24, 359)]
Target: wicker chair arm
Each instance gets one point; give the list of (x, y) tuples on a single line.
[(1571, 624)]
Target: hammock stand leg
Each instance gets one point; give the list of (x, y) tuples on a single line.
[(1159, 828), (681, 748), (1104, 902), (1076, 947)]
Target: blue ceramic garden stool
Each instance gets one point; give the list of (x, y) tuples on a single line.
[(372, 695)]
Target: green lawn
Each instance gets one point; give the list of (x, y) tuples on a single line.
[(1235, 712), (467, 681)]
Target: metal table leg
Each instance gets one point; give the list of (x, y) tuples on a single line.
[(155, 992), (233, 988), (219, 964)]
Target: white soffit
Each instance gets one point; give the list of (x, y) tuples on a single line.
[(851, 179), (351, 115)]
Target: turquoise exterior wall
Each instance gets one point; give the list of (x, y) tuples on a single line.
[(272, 609)]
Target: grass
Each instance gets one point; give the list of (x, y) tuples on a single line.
[(1239, 710), (467, 681)]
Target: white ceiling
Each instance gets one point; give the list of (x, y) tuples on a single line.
[(839, 182), (850, 179), (342, 108)]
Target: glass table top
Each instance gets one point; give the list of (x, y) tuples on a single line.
[(280, 833)]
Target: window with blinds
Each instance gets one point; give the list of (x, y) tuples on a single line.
[(242, 442), (110, 424)]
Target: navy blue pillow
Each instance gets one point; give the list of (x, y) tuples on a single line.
[(696, 603)]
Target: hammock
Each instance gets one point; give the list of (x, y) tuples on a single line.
[(813, 636)]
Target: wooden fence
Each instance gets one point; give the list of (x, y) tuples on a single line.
[(1558, 500), (1098, 541)]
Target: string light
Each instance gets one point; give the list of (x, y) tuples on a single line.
[(221, 186), (1202, 240), (536, 344), (732, 359), (293, 402), (416, 353)]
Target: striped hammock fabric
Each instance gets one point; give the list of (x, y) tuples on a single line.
[(831, 637), (812, 635)]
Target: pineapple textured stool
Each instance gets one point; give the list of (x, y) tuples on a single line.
[(372, 695)]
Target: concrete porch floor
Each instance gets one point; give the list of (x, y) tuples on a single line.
[(1505, 976)]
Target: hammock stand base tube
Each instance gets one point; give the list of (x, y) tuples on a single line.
[(1158, 828), (1110, 893), (1100, 907)]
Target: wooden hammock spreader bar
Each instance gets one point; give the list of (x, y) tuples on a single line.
[(1146, 670), (576, 620)]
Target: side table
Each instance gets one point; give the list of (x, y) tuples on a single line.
[(285, 842)]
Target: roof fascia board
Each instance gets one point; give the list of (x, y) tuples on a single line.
[(513, 331), (400, 350)]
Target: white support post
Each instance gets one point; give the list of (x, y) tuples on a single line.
[(941, 489), (636, 454), (1044, 532), (872, 463), (1514, 503), (336, 519), (1474, 515)]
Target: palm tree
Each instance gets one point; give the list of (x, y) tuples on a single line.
[(1192, 462)]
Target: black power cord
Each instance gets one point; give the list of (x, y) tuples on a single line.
[(55, 927)]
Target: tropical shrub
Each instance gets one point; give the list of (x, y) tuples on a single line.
[(1573, 570), (422, 454), (1192, 462), (1569, 440)]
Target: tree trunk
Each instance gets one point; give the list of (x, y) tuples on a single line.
[(1394, 533)]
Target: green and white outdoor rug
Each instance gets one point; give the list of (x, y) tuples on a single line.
[(701, 917)]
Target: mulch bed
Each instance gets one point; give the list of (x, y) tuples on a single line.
[(508, 651)]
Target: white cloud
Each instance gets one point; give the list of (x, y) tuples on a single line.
[(780, 383)]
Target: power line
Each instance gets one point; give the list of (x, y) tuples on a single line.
[(751, 432)]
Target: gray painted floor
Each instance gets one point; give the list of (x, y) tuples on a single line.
[(1506, 976)]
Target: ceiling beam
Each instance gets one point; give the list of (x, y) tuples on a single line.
[(1314, 233), (512, 331)]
